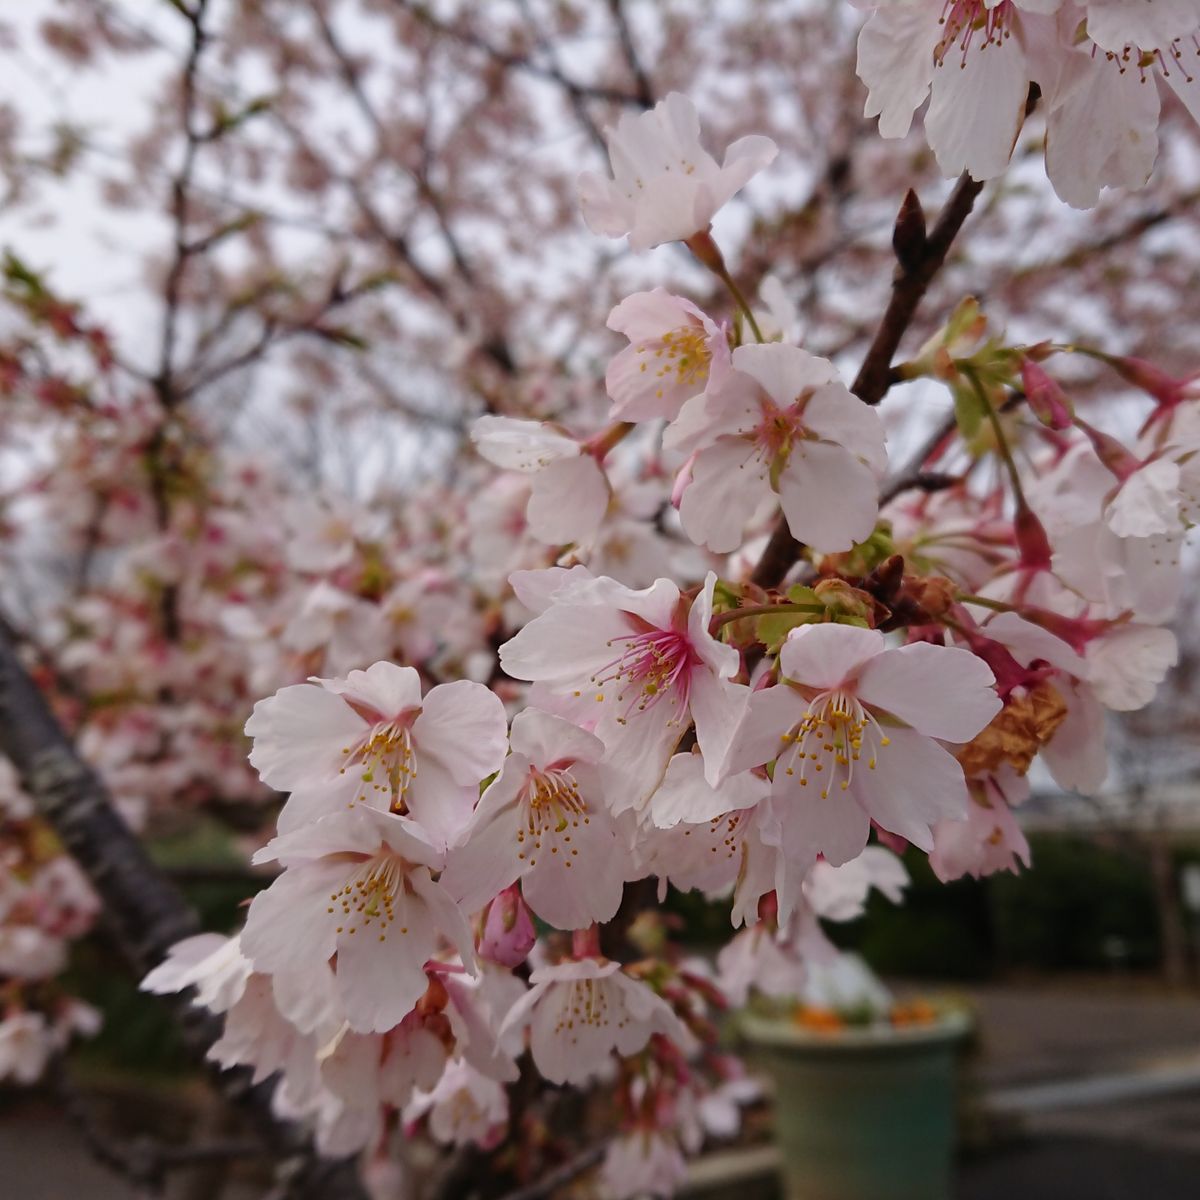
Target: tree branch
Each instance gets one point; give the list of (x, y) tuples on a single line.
[(919, 258)]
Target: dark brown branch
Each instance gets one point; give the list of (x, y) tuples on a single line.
[(549, 1183), (920, 256), (644, 89), (920, 262)]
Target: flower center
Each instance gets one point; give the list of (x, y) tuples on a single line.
[(386, 763), (965, 20), (725, 834), (587, 1003), (1144, 61), (654, 664), (369, 896), (681, 357), (553, 807), (831, 737)]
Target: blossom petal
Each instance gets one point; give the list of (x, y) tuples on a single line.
[(941, 691), (299, 734), (568, 501), (830, 499), (462, 724), (826, 656), (916, 785)]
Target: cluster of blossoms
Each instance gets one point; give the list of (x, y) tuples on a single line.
[(1096, 65), (45, 905), (452, 854)]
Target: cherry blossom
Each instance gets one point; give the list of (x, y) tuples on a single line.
[(644, 1162), (636, 666), (545, 820), (357, 884), (372, 739), (580, 1013), (666, 186), (989, 840), (853, 725), (972, 59), (675, 352), (463, 1108), (781, 422), (569, 494)]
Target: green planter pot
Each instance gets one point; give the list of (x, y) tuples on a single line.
[(862, 1114)]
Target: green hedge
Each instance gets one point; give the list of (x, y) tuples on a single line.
[(1081, 901)]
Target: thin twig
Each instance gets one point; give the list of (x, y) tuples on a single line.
[(920, 258), (560, 1176)]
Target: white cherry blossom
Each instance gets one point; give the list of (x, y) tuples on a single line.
[(580, 1013), (544, 820), (781, 422), (357, 884), (666, 186)]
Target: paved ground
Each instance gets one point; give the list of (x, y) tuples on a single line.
[(1038, 1032), (1082, 1169)]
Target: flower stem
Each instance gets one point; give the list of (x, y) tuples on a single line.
[(606, 439), (984, 602), (1002, 446), (709, 253), (761, 610)]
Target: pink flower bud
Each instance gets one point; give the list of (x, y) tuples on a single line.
[(1048, 401), (508, 934), (1154, 381), (1032, 541)]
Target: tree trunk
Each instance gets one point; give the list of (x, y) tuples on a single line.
[(145, 912), (1171, 920)]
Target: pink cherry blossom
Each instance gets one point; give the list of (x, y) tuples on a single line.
[(544, 820), (989, 840), (852, 728), (365, 1070), (569, 494), (580, 1013), (637, 667), (780, 422), (666, 186), (971, 58), (463, 1108), (644, 1162), (357, 884), (372, 739), (675, 352)]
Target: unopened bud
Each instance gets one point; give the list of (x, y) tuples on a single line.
[(1032, 541), (1119, 460), (508, 933), (1154, 381), (908, 234), (1047, 399), (844, 600)]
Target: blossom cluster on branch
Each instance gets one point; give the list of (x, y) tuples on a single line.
[(696, 616), (454, 857)]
